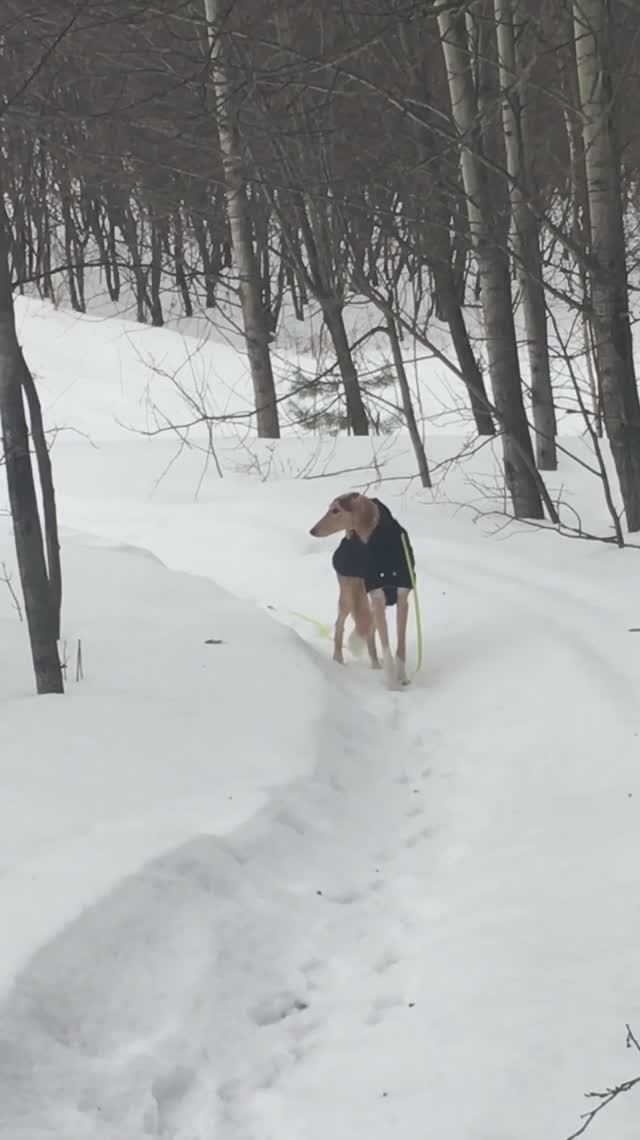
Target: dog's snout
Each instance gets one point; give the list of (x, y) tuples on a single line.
[(313, 532)]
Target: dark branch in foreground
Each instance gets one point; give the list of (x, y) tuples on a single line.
[(606, 1097)]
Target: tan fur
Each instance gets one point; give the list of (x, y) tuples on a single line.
[(352, 512), (355, 513), (353, 602)]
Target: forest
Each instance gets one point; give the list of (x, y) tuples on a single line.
[(474, 164), (252, 887)]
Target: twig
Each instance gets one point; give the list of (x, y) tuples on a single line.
[(609, 1095), (593, 435), (6, 577)]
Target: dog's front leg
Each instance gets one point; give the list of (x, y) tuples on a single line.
[(344, 605), (379, 606)]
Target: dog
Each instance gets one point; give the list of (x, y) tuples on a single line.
[(374, 570)]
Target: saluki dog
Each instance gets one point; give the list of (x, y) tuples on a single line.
[(371, 562)]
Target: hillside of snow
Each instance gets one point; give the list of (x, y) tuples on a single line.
[(251, 895)]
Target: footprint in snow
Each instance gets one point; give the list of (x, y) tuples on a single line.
[(414, 810), (348, 898), (418, 838), (168, 1091), (386, 962), (278, 1008), (382, 1006), (312, 968)]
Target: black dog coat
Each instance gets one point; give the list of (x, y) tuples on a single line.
[(381, 561)]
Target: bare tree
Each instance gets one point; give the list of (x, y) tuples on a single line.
[(310, 227), (580, 226), (514, 59), (492, 260), (255, 319), (593, 32), (298, 178), (407, 401), (432, 218), (40, 608)]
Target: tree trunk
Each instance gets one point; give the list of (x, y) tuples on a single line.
[(155, 275), (440, 252), (407, 402), (318, 277), (22, 496), (356, 411), (577, 193), (525, 232), (609, 288), (469, 367), (255, 320), (502, 351), (48, 492), (179, 260), (129, 228)]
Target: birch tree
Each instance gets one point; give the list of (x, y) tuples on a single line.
[(439, 253), (306, 203), (592, 21), (578, 203), (514, 62), (499, 327), (255, 319)]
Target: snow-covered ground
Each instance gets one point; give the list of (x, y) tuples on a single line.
[(249, 895)]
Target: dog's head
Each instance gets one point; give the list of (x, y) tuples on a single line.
[(342, 515)]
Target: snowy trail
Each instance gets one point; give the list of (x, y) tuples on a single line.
[(462, 842), (264, 923), (321, 931), (588, 624), (507, 791), (540, 869), (416, 919)]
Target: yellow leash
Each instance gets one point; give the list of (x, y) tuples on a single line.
[(414, 586), (323, 630)]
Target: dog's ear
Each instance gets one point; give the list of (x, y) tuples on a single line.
[(348, 502)]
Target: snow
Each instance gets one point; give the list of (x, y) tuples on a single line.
[(250, 895)]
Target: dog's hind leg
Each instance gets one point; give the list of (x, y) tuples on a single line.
[(402, 619), (371, 646), (379, 606)]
